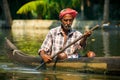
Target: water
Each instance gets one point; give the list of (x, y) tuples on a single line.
[(102, 42), (21, 73), (32, 75)]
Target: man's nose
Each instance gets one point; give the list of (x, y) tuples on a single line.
[(68, 22)]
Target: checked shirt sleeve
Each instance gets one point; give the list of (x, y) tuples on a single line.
[(47, 44)]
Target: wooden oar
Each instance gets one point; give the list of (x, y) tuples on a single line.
[(37, 68)]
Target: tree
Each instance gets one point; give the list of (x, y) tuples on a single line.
[(8, 17), (47, 9), (39, 8), (106, 11)]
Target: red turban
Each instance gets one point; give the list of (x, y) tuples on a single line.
[(67, 11)]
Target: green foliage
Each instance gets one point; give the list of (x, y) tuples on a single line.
[(29, 47), (47, 9), (30, 6)]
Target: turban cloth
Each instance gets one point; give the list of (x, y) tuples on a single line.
[(67, 11)]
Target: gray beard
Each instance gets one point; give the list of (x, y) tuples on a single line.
[(67, 27)]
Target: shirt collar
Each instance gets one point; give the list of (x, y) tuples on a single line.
[(59, 31)]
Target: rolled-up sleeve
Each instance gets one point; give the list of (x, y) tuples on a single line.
[(47, 44)]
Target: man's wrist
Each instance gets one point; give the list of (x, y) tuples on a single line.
[(41, 53)]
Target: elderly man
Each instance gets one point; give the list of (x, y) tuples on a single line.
[(61, 36)]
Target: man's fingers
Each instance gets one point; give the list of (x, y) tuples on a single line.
[(87, 33)]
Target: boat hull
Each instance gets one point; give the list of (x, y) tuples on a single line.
[(101, 65)]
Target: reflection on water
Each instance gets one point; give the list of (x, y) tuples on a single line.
[(54, 76), (29, 40), (13, 72), (33, 34), (19, 69), (106, 36), (102, 42)]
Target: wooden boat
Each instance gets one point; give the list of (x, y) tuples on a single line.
[(99, 65)]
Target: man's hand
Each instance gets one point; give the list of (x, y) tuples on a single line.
[(46, 58), (62, 56), (91, 54), (87, 33), (83, 40)]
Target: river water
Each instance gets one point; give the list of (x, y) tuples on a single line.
[(103, 42)]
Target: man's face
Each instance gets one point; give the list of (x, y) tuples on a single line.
[(67, 21)]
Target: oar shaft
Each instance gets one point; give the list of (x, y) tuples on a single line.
[(38, 67)]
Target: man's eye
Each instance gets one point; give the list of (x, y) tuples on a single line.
[(65, 20), (68, 20)]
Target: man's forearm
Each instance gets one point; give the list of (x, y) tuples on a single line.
[(83, 42)]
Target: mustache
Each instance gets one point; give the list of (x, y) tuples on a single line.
[(67, 25)]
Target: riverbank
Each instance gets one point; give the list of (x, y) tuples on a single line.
[(34, 24), (47, 24)]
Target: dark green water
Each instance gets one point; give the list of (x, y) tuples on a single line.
[(102, 42)]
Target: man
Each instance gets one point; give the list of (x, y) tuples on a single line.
[(61, 36)]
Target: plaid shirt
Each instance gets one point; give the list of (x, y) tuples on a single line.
[(54, 41)]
